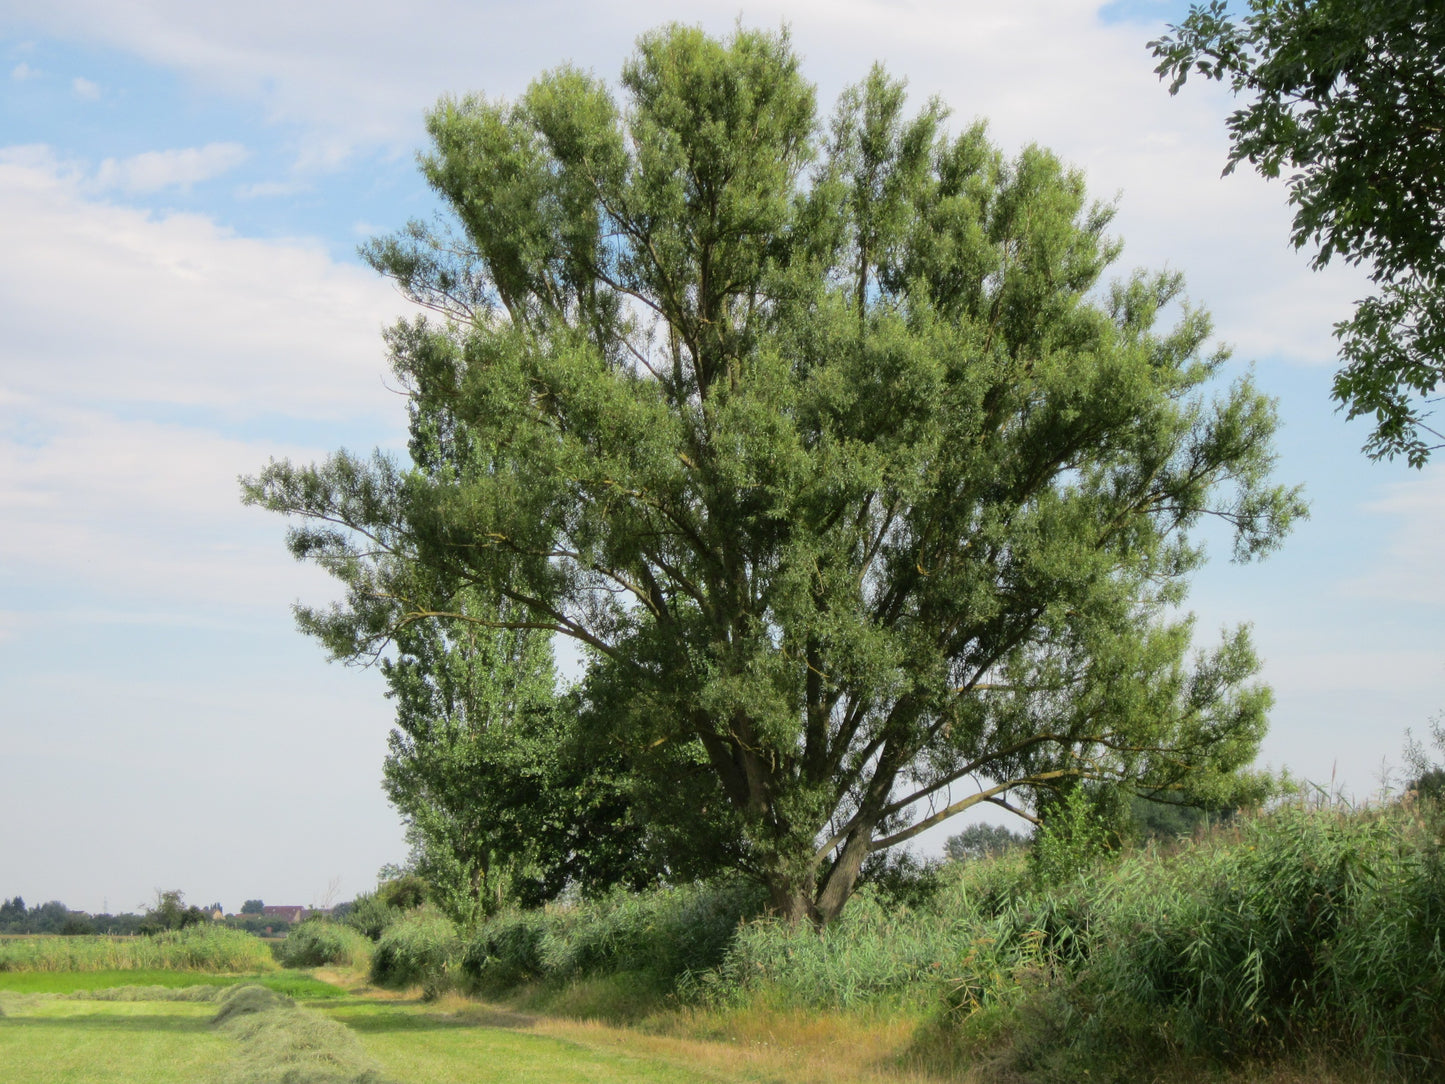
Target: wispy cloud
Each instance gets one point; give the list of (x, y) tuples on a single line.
[(1413, 515), (84, 89), (271, 189), (22, 71), (155, 170), (178, 310), (121, 434)]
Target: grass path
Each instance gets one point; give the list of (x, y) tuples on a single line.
[(416, 1046)]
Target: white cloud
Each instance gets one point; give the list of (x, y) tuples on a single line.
[(84, 89), (22, 71), (271, 189), (154, 170), (102, 302), (142, 353), (141, 511), (1410, 570)]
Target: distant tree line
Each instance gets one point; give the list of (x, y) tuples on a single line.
[(55, 918), (169, 911)]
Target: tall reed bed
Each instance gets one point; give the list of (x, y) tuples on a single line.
[(1303, 928), (1306, 930), (423, 948), (197, 948), (660, 936), (880, 949), (318, 941)]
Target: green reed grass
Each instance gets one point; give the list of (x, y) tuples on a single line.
[(1306, 927), (197, 948), (317, 942), (421, 949), (1305, 932), (655, 938)]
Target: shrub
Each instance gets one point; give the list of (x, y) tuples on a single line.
[(1074, 836), (422, 949), (405, 893), (370, 915), (317, 941), (507, 950), (980, 841)]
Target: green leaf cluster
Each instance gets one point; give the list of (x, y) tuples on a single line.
[(1346, 98)]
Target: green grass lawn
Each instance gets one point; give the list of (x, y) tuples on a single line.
[(60, 1041)]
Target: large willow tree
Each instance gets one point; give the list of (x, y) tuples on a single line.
[(866, 498)]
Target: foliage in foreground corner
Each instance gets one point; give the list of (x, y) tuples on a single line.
[(1347, 99)]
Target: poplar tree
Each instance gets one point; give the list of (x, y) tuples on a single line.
[(864, 494)]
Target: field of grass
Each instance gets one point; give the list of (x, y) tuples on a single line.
[(57, 1039), (53, 1040)]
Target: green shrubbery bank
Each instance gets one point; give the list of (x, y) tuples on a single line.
[(1306, 932)]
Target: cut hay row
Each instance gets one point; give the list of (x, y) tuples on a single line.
[(280, 1041)]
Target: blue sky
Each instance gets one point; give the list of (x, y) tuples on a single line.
[(182, 189)]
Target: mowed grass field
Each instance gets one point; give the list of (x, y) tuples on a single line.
[(60, 1040), (142, 1027), (48, 1039)]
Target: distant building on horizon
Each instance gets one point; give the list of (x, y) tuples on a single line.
[(286, 912)]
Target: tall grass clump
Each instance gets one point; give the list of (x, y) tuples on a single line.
[(655, 937), (423, 948), (1302, 928), (1305, 932), (881, 949), (196, 948), (316, 942)]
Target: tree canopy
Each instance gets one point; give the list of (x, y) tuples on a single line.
[(864, 495), (1349, 97)]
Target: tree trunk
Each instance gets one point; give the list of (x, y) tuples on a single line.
[(838, 887), (790, 896)]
